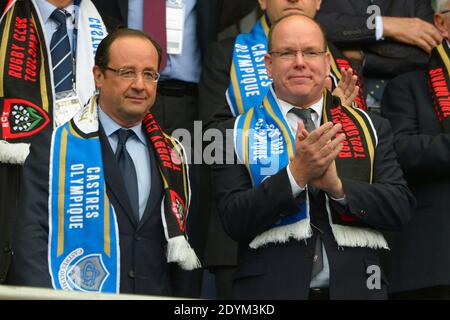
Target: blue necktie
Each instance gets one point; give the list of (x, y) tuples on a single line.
[(128, 170), (61, 53)]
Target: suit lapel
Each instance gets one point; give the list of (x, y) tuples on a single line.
[(113, 178)]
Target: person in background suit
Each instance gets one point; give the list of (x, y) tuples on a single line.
[(142, 236), (14, 151), (214, 107), (414, 104), (306, 220), (388, 37), (176, 105)]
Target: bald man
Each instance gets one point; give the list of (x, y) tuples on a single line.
[(313, 183)]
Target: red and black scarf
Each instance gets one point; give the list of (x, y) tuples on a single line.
[(173, 167), (439, 83), (338, 61), (26, 98)]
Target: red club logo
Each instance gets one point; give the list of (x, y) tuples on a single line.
[(21, 118), (178, 209)]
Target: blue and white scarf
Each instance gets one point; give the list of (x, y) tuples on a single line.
[(264, 143), (83, 247), (249, 81)]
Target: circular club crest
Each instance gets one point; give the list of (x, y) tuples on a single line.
[(175, 157)]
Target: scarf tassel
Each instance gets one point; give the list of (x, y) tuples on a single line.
[(13, 153), (358, 237), (179, 251), (299, 230)]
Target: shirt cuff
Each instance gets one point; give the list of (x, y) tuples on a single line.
[(342, 201), (296, 189), (379, 28)]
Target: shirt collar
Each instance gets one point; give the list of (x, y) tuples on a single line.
[(110, 126), (285, 106), (46, 9)]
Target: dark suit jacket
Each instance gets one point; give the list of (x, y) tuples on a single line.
[(213, 109), (283, 271), (3, 4), (420, 252), (9, 195), (143, 266), (212, 15), (345, 22)]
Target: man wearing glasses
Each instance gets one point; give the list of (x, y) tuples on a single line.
[(234, 79), (314, 182), (112, 215)]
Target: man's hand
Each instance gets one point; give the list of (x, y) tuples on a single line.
[(414, 31), (347, 90), (355, 55), (329, 182), (314, 152)]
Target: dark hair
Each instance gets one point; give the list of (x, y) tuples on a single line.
[(102, 54), (272, 28)]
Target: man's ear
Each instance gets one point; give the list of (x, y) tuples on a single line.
[(98, 76), (328, 63), (318, 3), (263, 4), (439, 22), (268, 63)]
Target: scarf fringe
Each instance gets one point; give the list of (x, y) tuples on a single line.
[(358, 237), (179, 251), (299, 230), (14, 153)]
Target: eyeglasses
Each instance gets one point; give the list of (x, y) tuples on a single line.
[(131, 74), (444, 11), (292, 54)]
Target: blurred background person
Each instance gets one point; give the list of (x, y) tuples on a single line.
[(416, 104), (42, 87), (388, 37)]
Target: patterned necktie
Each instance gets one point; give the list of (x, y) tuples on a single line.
[(155, 25), (305, 115), (128, 170), (318, 258), (61, 53)]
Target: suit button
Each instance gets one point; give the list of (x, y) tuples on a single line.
[(131, 274), (137, 237)]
